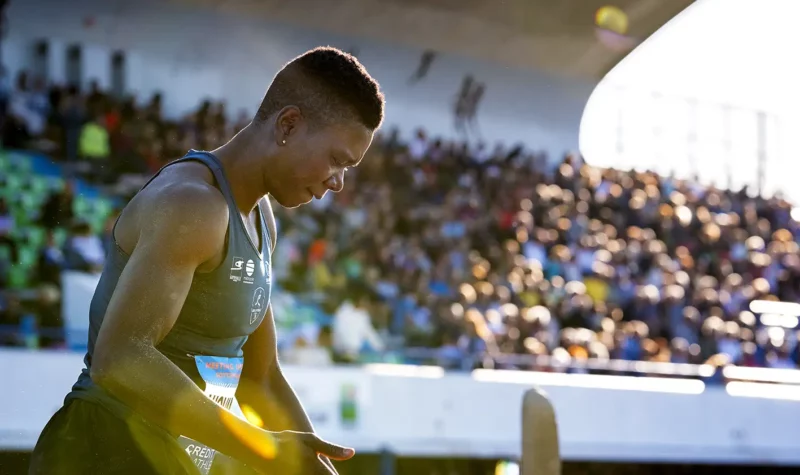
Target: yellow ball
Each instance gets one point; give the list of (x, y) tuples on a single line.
[(612, 18)]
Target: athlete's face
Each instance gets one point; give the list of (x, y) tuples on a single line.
[(314, 160)]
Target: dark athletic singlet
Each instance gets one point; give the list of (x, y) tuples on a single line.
[(222, 309)]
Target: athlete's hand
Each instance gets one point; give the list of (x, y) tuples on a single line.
[(307, 454), (326, 451)]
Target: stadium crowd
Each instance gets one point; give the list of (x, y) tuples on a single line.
[(461, 255)]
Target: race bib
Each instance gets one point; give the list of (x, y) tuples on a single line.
[(221, 376)]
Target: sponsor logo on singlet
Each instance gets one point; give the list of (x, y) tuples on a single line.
[(258, 305), (236, 269), (249, 270)]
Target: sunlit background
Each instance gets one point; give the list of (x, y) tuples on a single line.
[(556, 200), (709, 95)]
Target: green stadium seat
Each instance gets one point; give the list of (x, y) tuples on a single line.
[(60, 236), (18, 277), (36, 236), (80, 206), (103, 207), (14, 182), (21, 217), (38, 185), (31, 203), (28, 255), (98, 224), (18, 233)]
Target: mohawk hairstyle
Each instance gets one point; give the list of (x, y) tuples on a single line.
[(327, 85)]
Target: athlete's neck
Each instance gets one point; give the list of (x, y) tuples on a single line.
[(243, 158)]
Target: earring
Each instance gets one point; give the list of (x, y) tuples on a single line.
[(283, 142)]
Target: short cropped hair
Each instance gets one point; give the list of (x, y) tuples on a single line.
[(327, 85)]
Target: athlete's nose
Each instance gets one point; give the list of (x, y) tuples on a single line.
[(335, 182)]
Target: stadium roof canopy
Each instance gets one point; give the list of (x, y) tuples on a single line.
[(552, 35)]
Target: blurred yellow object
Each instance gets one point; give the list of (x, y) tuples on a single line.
[(612, 18), (259, 441), (252, 416)]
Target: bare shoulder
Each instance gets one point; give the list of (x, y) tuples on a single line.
[(183, 214), (178, 225), (269, 217)]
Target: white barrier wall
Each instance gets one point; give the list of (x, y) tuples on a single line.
[(77, 291), (422, 411)]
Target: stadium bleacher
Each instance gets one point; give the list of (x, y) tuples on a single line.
[(463, 256)]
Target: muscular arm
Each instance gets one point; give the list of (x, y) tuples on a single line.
[(184, 228), (264, 387)]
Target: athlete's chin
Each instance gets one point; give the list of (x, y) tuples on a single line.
[(295, 201)]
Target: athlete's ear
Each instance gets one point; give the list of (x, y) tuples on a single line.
[(287, 123)]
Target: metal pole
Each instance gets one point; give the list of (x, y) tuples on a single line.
[(388, 462), (621, 106), (762, 151), (691, 136), (727, 144), (657, 127)]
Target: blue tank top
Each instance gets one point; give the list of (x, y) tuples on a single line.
[(222, 309)]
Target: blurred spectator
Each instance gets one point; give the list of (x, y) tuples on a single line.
[(352, 328), (418, 146), (72, 115), (58, 209), (95, 99), (94, 146), (5, 90), (316, 354), (9, 253), (28, 108), (487, 254), (51, 262), (11, 316), (48, 310), (6, 227), (84, 250)]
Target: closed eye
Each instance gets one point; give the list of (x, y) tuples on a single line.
[(339, 165)]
